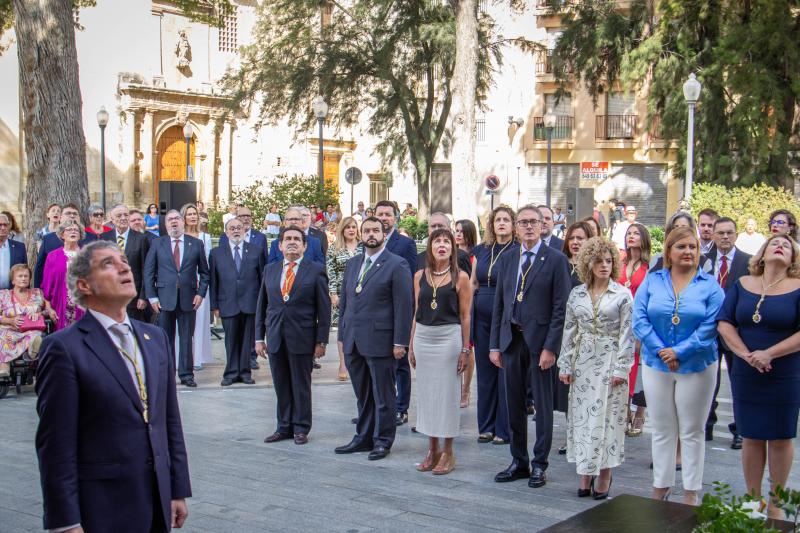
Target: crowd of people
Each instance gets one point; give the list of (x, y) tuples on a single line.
[(596, 326)]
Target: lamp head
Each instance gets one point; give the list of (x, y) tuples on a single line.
[(320, 107), (102, 117), (549, 120), (691, 89), (188, 131)]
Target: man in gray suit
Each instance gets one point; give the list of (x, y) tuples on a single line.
[(176, 281), (375, 306)]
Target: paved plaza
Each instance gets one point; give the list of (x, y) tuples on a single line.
[(241, 484)]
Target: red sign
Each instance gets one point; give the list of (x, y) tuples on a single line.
[(492, 182), (594, 170)]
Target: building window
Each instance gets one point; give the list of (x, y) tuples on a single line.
[(480, 130), (229, 31)]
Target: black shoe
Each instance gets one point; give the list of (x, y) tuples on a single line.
[(585, 493), (248, 381), (538, 478), (531, 410), (254, 365), (484, 438), (514, 472), (354, 420), (400, 419), (226, 382), (276, 437), (709, 434), (353, 446), (602, 495), (736, 443), (188, 382), (562, 450), (317, 366), (378, 452)]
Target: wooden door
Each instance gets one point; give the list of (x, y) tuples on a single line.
[(172, 155)]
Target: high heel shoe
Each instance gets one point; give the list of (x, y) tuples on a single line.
[(445, 465), (464, 399), (602, 495), (585, 493), (429, 462)]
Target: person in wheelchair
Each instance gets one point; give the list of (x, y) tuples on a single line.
[(22, 318)]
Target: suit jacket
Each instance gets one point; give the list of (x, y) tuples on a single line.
[(304, 319), (17, 254), (322, 237), (547, 288), (97, 458), (379, 317), (235, 292), (51, 242), (313, 252), (136, 248), (740, 266), (256, 239), (405, 248), (161, 278), (556, 243)]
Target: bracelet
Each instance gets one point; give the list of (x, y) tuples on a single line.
[(464, 350)]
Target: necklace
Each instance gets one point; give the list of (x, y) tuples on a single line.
[(629, 272), (440, 273), (596, 306), (521, 293), (764, 289), (676, 319), (493, 260), (435, 286)]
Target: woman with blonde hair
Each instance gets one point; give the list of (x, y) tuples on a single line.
[(759, 324), (595, 359), (344, 247), (202, 323)]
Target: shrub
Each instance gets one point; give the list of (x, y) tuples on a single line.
[(657, 239), (417, 229), (741, 203)]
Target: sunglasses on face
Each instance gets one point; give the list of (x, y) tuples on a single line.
[(97, 214)]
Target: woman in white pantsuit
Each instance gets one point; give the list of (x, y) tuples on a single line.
[(439, 348)]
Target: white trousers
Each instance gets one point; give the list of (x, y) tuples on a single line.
[(678, 406)]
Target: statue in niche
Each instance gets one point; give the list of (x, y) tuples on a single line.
[(183, 51)]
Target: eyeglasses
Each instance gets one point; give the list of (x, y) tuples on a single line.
[(245, 216), (532, 223), (775, 222), (293, 219), (725, 233), (97, 214)]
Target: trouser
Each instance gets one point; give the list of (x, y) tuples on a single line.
[(403, 378), (291, 377), (492, 405), (185, 321), (373, 380), (517, 361), (711, 421), (240, 335), (678, 406)]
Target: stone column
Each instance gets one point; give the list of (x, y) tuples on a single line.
[(147, 163), (127, 157), (225, 161)]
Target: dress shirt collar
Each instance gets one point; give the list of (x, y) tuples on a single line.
[(729, 255), (535, 249), (296, 262), (106, 321), (375, 256), (232, 246), (123, 235)]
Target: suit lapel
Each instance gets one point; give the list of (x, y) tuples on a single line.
[(369, 273), (538, 261), (150, 364), (187, 247), (167, 243)]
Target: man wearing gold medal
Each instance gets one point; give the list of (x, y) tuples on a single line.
[(527, 323)]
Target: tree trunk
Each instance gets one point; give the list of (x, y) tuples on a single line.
[(423, 166), (55, 146), (464, 84)]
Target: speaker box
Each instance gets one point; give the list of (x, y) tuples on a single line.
[(580, 204), (174, 195)]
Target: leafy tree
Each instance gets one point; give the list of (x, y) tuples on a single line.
[(387, 63), (741, 203), (746, 55)]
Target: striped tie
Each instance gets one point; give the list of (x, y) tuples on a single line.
[(289, 281), (121, 243)]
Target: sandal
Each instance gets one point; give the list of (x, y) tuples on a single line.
[(485, 438), (464, 400), (446, 464), (636, 427), (429, 462), (342, 376)]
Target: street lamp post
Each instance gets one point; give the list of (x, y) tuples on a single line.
[(102, 121), (691, 92), (549, 124), (187, 135), (320, 111)]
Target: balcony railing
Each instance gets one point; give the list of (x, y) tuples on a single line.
[(562, 130), (607, 127), (544, 64), (555, 5)]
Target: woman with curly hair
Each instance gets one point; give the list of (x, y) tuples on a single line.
[(783, 222), (595, 359)]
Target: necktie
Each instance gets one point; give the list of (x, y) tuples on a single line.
[(237, 259), (176, 254), (722, 277), (127, 347), (289, 281), (121, 243)]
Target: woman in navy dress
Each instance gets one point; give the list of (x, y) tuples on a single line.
[(759, 322), (498, 241)]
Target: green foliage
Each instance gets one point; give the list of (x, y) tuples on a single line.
[(788, 501), (656, 239), (417, 229), (741, 203), (746, 55), (721, 512), (215, 221)]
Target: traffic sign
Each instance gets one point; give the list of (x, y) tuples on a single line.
[(492, 182), (352, 176)]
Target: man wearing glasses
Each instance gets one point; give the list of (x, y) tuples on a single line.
[(252, 236), (294, 217), (51, 241), (527, 324)]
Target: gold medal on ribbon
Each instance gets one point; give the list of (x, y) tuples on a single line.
[(676, 319), (434, 305), (358, 288), (285, 297), (519, 297), (756, 317)]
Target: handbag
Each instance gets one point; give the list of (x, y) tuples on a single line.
[(27, 323)]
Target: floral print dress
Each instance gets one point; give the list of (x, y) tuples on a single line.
[(335, 263), (14, 343)]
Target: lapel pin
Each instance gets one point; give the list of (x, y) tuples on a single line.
[(146, 336), (541, 259)]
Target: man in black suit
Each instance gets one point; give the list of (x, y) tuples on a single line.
[(387, 213), (729, 264), (375, 310), (527, 324), (110, 442), (547, 229), (309, 229), (236, 268), (176, 281), (51, 242), (135, 247), (436, 221), (136, 222), (293, 321)]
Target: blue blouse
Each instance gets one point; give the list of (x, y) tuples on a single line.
[(694, 339), (151, 220)]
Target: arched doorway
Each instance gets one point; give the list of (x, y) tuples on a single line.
[(171, 152)]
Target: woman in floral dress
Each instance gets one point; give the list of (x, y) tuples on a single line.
[(345, 247)]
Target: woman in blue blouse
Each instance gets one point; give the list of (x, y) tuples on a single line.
[(151, 220), (674, 317)]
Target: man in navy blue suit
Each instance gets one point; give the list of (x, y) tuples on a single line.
[(294, 217), (375, 310), (251, 235), (292, 325), (109, 442), (51, 242), (236, 268), (527, 323), (176, 281), (387, 213), (11, 252)]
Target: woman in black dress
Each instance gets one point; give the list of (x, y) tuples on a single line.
[(759, 322)]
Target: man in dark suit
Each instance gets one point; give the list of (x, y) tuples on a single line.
[(294, 217), (251, 236), (135, 247), (110, 442), (236, 268), (387, 213), (547, 235), (728, 265), (293, 322), (441, 221), (375, 310), (51, 242), (527, 324), (136, 221), (176, 281), (11, 252), (312, 231)]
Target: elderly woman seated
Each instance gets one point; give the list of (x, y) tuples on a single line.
[(21, 309), (54, 281)]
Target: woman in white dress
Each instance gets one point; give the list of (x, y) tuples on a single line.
[(595, 360), (439, 348), (202, 320)]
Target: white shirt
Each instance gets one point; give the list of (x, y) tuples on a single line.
[(5, 265), (750, 244), (172, 240), (618, 236), (373, 258), (286, 267), (718, 262), (233, 249), (106, 321), (705, 247), (522, 251)]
